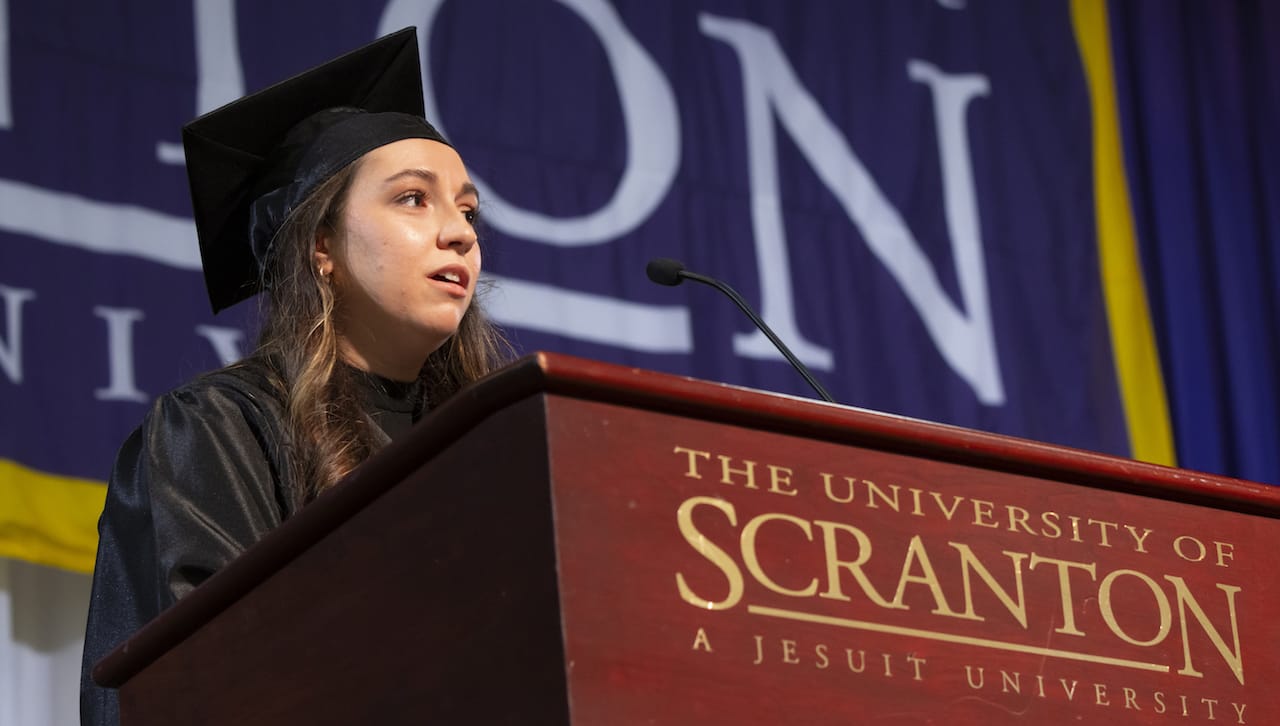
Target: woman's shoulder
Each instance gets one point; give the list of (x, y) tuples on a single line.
[(220, 426), (244, 395), (252, 382)]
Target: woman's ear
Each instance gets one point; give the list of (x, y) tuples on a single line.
[(321, 255)]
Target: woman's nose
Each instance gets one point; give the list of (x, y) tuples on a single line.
[(457, 232)]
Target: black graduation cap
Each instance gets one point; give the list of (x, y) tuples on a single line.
[(251, 162)]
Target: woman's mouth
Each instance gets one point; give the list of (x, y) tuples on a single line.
[(455, 277)]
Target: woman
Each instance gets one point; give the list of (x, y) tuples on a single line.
[(332, 193)]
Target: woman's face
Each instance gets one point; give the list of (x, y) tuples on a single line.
[(404, 258)]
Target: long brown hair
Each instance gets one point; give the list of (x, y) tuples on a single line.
[(327, 430)]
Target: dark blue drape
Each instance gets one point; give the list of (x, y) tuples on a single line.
[(1199, 93)]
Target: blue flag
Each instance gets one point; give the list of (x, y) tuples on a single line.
[(909, 193)]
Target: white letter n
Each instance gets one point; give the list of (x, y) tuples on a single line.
[(11, 349), (964, 337)]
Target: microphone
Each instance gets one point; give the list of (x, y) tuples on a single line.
[(665, 271)]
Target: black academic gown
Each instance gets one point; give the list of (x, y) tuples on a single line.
[(205, 476)]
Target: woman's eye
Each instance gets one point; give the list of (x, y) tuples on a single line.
[(413, 199), (472, 215)]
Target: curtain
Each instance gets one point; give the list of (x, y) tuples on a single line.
[(1199, 90), (42, 611)]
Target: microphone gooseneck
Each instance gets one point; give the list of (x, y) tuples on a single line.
[(665, 271)]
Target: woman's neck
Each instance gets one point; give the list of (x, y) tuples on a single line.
[(403, 370)]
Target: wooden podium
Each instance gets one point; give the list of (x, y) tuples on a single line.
[(570, 542)]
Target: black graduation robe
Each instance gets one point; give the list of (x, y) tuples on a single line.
[(205, 476)]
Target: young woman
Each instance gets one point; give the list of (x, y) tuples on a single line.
[(330, 192)]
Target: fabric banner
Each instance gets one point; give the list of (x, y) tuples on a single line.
[(1200, 90), (909, 191)]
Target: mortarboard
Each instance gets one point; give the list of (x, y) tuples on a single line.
[(251, 162)]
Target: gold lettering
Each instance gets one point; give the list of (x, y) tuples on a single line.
[(1100, 694), (759, 650), (1050, 520), (1109, 616), (1159, 699), (1075, 528), (1064, 588), (888, 672), (1210, 702), (752, 561), (1138, 540), (701, 642), (915, 502), (1018, 519), (955, 505), (1239, 709), (693, 455), (778, 477), (916, 663), (928, 577), (727, 471), (875, 492), (709, 550), (1102, 531), (821, 651), (1200, 550), (970, 563), (1071, 691), (826, 484), (984, 514), (1040, 685), (1226, 551), (862, 660), (789, 651), (835, 564), (1187, 601), (982, 679), (1010, 682), (1131, 699)]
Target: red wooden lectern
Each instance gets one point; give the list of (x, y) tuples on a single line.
[(570, 542)]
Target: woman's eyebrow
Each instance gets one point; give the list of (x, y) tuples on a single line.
[(468, 189), (423, 174)]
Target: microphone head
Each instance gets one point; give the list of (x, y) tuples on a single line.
[(665, 271)]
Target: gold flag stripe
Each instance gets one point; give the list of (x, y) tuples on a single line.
[(1132, 339), (48, 519)]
